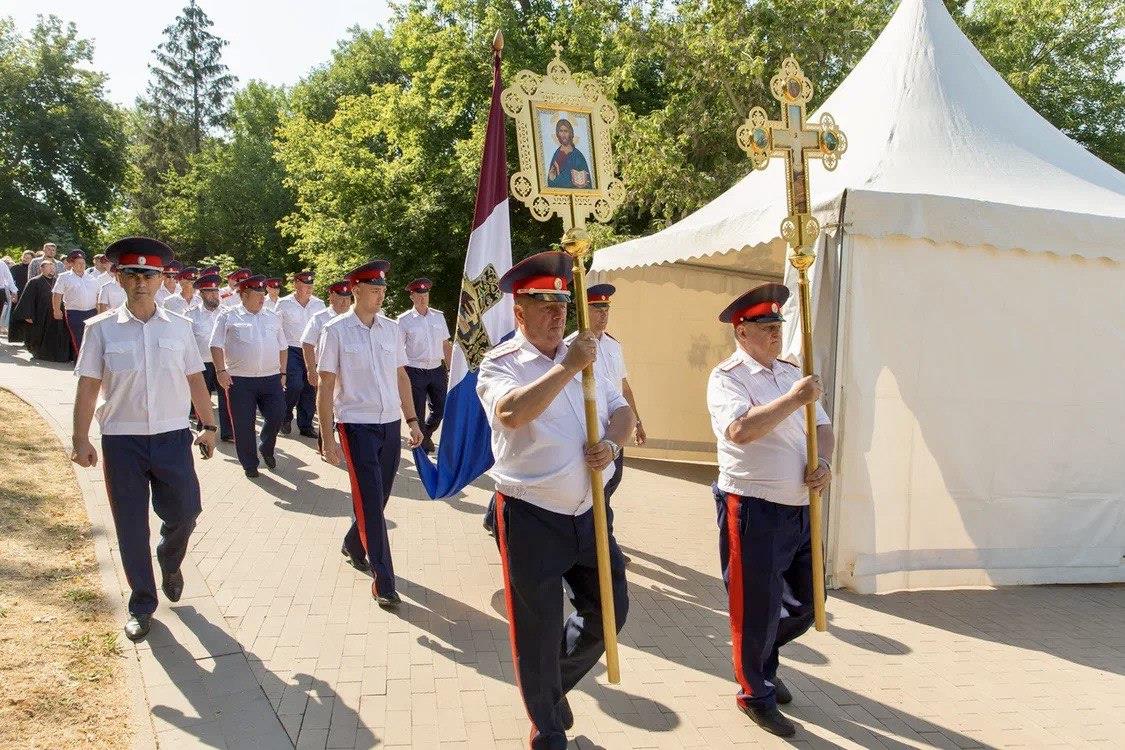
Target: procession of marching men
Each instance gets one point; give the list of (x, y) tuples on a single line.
[(156, 340)]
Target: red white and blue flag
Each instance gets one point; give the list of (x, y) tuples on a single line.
[(484, 319)]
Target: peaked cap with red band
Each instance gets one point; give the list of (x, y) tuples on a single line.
[(762, 304), (208, 281), (420, 285), (75, 254), (273, 283), (239, 275), (254, 284), (173, 266), (545, 276), (599, 294), (189, 274), (209, 270), (139, 253), (305, 277), (373, 272), (343, 288)]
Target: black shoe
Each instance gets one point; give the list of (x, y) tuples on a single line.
[(269, 460), (356, 562), (173, 585), (286, 428), (427, 444), (227, 439), (783, 695), (252, 474), (137, 627), (386, 601), (566, 716), (770, 719), (310, 433)]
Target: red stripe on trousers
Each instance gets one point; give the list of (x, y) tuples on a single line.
[(357, 498), (69, 332), (734, 589), (230, 414), (502, 537)]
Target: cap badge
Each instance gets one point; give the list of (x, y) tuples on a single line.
[(141, 260), (773, 307), (558, 283)]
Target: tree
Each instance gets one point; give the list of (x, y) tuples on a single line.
[(232, 197), (190, 82), (62, 144)]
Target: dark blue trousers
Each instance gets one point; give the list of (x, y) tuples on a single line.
[(298, 393), (428, 385), (246, 397), (76, 324), (212, 381), (372, 454), (766, 556), (136, 468), (539, 550)]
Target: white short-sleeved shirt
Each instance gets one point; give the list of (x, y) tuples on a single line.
[(311, 334), (202, 326), (773, 466), (365, 361), (143, 368), (177, 304), (111, 294), (424, 335), (295, 316), (229, 298), (250, 341), (543, 462), (162, 293), (610, 361), (78, 292)]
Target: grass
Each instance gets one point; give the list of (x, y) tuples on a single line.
[(61, 679)]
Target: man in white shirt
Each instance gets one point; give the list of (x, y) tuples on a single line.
[(339, 302), (363, 389), (111, 295), (249, 352), (77, 292), (756, 402), (531, 391), (295, 311), (228, 295), (101, 267), (170, 286), (146, 368), (610, 365), (203, 316), (428, 351), (185, 298), (273, 290)]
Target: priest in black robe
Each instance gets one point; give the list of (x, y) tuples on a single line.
[(17, 328), (47, 339)]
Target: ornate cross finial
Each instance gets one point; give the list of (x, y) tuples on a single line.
[(558, 48)]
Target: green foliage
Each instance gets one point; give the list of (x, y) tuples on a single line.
[(231, 197), (62, 144)]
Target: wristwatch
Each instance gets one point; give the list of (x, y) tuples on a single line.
[(210, 428), (616, 448)]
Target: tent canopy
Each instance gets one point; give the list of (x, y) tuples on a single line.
[(940, 148)]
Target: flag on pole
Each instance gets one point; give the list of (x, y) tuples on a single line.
[(484, 318)]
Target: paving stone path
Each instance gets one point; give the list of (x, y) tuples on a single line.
[(277, 643)]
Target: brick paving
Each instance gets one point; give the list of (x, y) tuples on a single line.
[(277, 642)]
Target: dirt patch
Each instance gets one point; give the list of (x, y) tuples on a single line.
[(61, 678)]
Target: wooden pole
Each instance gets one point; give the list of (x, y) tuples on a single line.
[(802, 262), (577, 243)]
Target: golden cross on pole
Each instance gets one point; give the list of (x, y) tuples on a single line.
[(793, 139)]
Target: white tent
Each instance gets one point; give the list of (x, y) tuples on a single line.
[(969, 303)]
